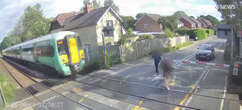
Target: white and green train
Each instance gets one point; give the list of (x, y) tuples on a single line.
[(61, 51)]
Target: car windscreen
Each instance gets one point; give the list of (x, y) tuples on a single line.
[(204, 47)]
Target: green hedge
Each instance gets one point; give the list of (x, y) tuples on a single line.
[(193, 33), (200, 33)]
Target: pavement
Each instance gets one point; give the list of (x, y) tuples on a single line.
[(135, 86)]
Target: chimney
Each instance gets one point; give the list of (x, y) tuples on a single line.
[(88, 8)]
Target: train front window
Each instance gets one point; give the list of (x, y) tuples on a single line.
[(61, 47)]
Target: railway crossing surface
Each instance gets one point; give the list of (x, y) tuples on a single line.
[(134, 86)]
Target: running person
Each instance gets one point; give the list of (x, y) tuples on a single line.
[(165, 65)]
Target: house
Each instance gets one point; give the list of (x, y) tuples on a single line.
[(205, 23), (197, 23), (180, 24), (58, 23), (96, 27), (187, 23), (148, 23)]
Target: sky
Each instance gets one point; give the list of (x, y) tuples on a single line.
[(12, 10)]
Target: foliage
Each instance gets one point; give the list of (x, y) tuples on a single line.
[(96, 4), (180, 14), (130, 31), (169, 33), (177, 47), (182, 32), (111, 3), (169, 22), (212, 19), (8, 87), (128, 22), (210, 32), (32, 24), (122, 40), (200, 33), (90, 67), (146, 36), (139, 15)]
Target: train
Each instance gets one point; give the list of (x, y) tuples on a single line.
[(61, 51)]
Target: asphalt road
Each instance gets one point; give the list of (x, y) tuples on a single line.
[(133, 86)]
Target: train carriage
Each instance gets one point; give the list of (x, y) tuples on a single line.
[(61, 51)]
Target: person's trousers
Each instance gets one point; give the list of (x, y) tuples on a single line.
[(156, 67)]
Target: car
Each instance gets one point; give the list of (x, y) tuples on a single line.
[(205, 52)]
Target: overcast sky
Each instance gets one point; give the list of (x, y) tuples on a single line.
[(12, 10)]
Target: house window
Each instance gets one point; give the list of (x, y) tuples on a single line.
[(109, 23), (108, 30)]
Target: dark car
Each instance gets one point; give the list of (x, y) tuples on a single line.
[(205, 52)]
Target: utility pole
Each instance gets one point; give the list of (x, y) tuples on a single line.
[(104, 48)]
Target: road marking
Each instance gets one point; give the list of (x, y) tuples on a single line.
[(188, 97), (76, 90), (205, 76), (82, 99), (138, 107), (224, 94)]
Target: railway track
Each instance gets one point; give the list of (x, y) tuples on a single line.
[(43, 83), (117, 91)]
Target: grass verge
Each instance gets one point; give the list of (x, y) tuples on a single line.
[(8, 88), (177, 47)]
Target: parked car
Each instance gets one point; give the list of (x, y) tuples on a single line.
[(205, 52)]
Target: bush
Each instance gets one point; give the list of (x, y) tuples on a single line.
[(200, 34), (130, 31), (210, 32), (188, 32), (91, 67), (169, 33), (123, 40), (146, 36)]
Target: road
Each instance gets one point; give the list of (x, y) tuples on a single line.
[(132, 86)]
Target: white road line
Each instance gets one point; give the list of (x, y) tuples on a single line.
[(205, 76), (196, 84), (224, 94)]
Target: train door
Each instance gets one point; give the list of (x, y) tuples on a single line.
[(73, 52)]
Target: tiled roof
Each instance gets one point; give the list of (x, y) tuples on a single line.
[(84, 19), (63, 16), (155, 17)]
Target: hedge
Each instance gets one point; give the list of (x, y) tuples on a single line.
[(193, 33)]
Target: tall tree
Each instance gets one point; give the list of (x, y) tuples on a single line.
[(96, 4), (34, 22), (180, 14), (212, 19), (129, 22), (169, 22), (31, 25), (111, 3)]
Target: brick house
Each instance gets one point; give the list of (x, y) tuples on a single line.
[(58, 22), (197, 23), (148, 23), (205, 23), (95, 27), (187, 23)]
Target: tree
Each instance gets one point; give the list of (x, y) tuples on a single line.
[(129, 22), (169, 22), (108, 3), (34, 23), (96, 4), (86, 1), (212, 19), (139, 15), (180, 14), (31, 25)]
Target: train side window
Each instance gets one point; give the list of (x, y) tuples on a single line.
[(45, 49)]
